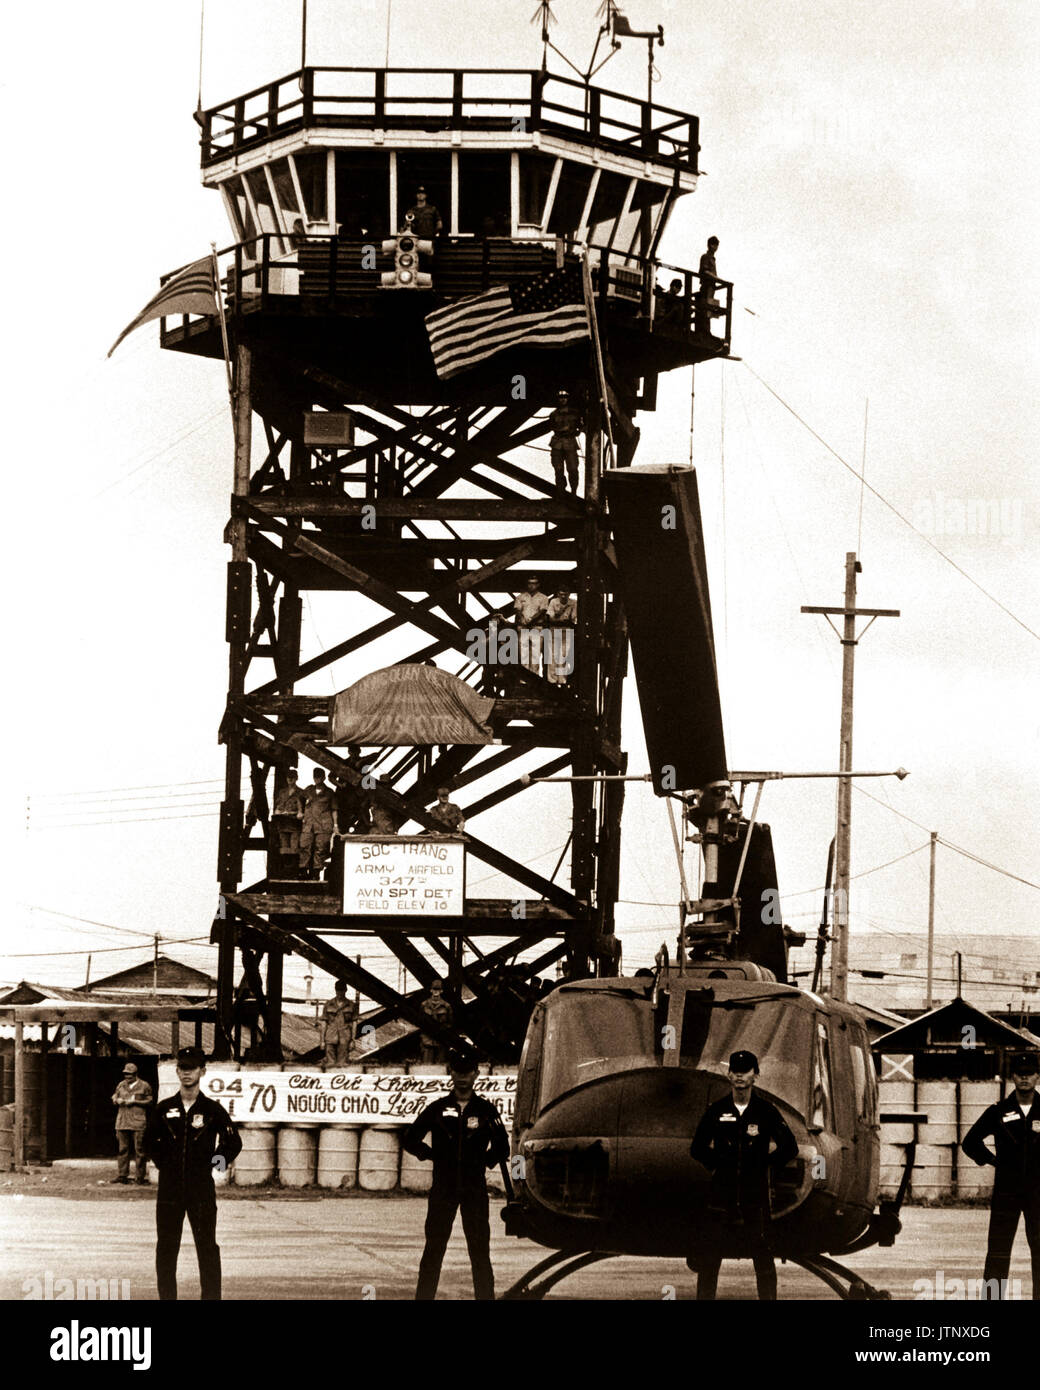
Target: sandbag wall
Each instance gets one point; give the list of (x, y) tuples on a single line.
[(334, 1156), (941, 1170)]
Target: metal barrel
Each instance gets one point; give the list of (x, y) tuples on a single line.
[(255, 1164), (338, 1147), (379, 1159), (416, 1173), (297, 1155)]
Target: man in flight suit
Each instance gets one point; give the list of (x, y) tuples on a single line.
[(188, 1136), (733, 1142), (464, 1135), (1014, 1126), (337, 1028)]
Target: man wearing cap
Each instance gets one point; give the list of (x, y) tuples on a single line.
[(425, 220), (464, 1135), (739, 1139), (131, 1096), (563, 442), (189, 1137), (1014, 1126)]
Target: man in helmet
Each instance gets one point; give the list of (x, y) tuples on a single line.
[(739, 1140), (563, 445)]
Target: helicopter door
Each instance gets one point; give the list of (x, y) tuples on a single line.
[(867, 1127)]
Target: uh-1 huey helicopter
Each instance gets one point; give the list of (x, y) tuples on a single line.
[(615, 1073)]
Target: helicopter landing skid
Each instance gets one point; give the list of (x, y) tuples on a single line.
[(856, 1290), (530, 1290)]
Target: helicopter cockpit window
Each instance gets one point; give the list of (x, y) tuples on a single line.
[(821, 1111), (778, 1033), (589, 1035)]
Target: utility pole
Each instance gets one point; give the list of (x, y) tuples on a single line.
[(843, 834), (931, 913)]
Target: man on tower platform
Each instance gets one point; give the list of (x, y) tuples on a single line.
[(1014, 1126), (464, 1136), (530, 609), (319, 822), (287, 819), (563, 444), (426, 221), (705, 305), (739, 1140)]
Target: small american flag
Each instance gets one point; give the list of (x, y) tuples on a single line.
[(548, 312)]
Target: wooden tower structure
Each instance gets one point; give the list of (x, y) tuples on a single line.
[(359, 470)]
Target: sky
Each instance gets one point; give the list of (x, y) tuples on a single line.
[(870, 172)]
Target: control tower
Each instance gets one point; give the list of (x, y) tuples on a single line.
[(361, 201)]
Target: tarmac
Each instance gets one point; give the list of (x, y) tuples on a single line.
[(70, 1224)]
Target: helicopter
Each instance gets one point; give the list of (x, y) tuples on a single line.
[(615, 1073)]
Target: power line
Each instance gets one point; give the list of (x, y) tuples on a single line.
[(86, 801), (95, 950), (986, 864), (146, 787), (136, 820), (862, 874), (893, 509), (106, 926)]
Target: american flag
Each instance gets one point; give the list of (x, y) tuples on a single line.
[(548, 311), (192, 290)]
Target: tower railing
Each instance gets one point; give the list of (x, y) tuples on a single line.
[(268, 273), (507, 100)]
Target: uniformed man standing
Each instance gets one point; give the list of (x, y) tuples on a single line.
[(464, 1136), (131, 1097), (423, 218), (187, 1138), (337, 1027), (563, 442), (319, 823), (437, 1008), (1014, 1126), (705, 303), (530, 609), (288, 814), (739, 1139)]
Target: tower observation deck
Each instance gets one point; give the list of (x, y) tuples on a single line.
[(361, 201)]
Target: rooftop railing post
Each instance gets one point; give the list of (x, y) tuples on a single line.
[(594, 112), (537, 87), (729, 312), (308, 95), (380, 98), (238, 129), (694, 137), (456, 100), (272, 109), (646, 137)]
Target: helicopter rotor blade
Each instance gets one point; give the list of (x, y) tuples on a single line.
[(663, 577)]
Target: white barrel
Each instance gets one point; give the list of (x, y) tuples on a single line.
[(416, 1173), (338, 1156), (297, 1155), (933, 1172), (976, 1097), (255, 1164), (938, 1100), (896, 1096), (379, 1159)]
